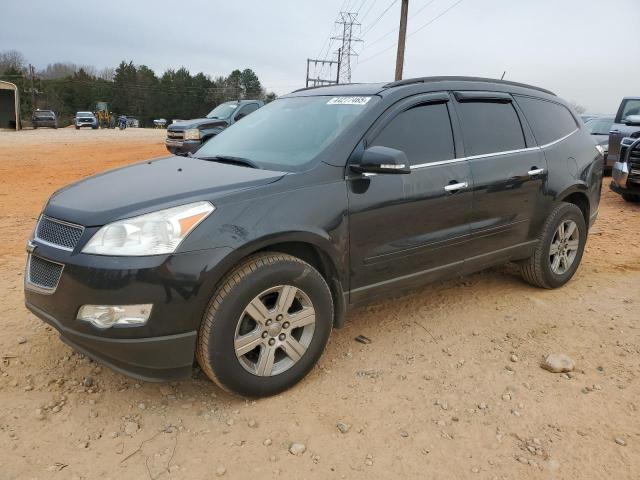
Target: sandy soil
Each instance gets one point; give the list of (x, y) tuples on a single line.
[(451, 386)]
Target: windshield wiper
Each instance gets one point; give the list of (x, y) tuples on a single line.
[(244, 162)]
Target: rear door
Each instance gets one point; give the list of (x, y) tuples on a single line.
[(408, 229), (508, 173)]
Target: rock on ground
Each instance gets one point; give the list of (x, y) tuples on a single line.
[(558, 363)]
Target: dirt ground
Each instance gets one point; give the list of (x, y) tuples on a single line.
[(450, 387)]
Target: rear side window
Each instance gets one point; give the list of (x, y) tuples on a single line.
[(548, 120), (489, 127), (423, 133)]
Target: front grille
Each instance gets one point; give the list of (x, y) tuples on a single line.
[(60, 234), (634, 163), (175, 135), (43, 273)]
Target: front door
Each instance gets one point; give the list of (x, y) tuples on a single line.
[(406, 229)]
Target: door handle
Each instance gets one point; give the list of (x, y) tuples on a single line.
[(534, 172), (614, 131), (455, 187)]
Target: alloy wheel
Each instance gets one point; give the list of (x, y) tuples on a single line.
[(274, 330), (564, 247)]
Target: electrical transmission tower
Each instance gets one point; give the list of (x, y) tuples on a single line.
[(346, 23)]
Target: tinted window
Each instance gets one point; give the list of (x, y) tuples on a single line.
[(247, 109), (549, 121), (630, 107), (423, 133), (490, 127)]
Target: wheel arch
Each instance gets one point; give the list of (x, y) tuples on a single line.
[(313, 249), (578, 196)]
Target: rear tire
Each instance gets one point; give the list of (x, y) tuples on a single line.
[(628, 197), (266, 325), (559, 250)]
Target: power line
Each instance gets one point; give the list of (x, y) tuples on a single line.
[(368, 10), (394, 30), (379, 17), (414, 32)]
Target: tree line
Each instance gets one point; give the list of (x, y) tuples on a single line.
[(129, 89)]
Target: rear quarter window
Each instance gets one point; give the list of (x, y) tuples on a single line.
[(549, 121)]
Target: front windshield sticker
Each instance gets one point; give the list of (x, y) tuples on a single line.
[(348, 101)]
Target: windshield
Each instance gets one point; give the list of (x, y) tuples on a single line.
[(44, 113), (84, 114), (287, 133), (223, 111), (599, 126)]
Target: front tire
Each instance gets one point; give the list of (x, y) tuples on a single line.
[(559, 250), (266, 325)]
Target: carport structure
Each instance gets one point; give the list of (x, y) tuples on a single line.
[(9, 106)]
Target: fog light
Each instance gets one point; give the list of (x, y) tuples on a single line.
[(106, 316)]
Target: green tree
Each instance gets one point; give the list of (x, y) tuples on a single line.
[(250, 84)]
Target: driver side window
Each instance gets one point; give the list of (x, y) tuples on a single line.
[(422, 132)]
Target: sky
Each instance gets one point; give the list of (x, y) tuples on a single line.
[(576, 48)]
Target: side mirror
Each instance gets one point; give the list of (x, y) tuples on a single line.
[(632, 120), (240, 116), (382, 160)]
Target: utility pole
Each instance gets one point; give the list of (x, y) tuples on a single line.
[(315, 80), (346, 51), (33, 89), (402, 36)]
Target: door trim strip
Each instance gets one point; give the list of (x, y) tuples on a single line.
[(487, 155)]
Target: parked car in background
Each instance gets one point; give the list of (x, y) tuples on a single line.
[(187, 136), (629, 106), (586, 118), (626, 172), (44, 118), (133, 122), (246, 255), (86, 119), (599, 128)]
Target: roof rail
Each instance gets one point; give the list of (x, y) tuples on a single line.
[(410, 81)]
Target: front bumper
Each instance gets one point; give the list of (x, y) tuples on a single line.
[(622, 182), (182, 147), (44, 123), (150, 359), (179, 286)]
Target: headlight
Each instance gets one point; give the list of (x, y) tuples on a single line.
[(601, 149), (152, 234), (192, 134)]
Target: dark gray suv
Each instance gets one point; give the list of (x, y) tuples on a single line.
[(246, 255), (187, 136)]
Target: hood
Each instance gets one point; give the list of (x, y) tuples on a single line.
[(197, 123), (149, 186)]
